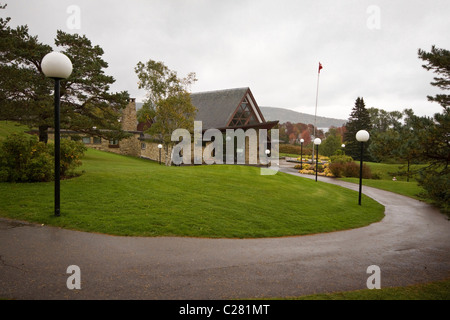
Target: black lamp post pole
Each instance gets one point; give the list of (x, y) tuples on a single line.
[(301, 156), (360, 172), (317, 160), (160, 156), (57, 150)]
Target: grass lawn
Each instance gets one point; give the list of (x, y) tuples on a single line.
[(129, 196), (409, 189), (8, 127), (438, 290), (401, 186)]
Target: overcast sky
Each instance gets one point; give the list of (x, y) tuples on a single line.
[(367, 48)]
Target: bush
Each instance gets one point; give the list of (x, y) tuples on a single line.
[(20, 154), (71, 154), (341, 159), (304, 166), (336, 169), (24, 159), (349, 170), (41, 165), (291, 149), (437, 187)]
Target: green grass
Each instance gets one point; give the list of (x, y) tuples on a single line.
[(438, 290), (129, 196), (386, 171), (409, 189), (8, 127)]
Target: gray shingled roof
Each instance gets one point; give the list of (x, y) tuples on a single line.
[(216, 107)]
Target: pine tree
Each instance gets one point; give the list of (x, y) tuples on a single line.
[(26, 95), (359, 120), (435, 140)]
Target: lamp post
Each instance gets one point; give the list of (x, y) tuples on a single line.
[(343, 148), (301, 153), (267, 154), (159, 147), (362, 136), (57, 66), (317, 142)]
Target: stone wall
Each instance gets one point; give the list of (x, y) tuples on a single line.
[(150, 150), (130, 146), (129, 117)]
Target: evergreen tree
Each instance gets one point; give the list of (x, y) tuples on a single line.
[(359, 120), (26, 95), (435, 142)]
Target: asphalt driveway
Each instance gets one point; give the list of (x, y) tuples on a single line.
[(410, 245)]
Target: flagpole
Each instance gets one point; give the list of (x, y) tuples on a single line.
[(315, 113)]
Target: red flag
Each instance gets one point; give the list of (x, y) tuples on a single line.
[(320, 66)]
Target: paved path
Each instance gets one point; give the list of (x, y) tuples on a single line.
[(410, 245)]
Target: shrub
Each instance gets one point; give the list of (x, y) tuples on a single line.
[(336, 169), (18, 153), (40, 168), (304, 166), (291, 149), (349, 170), (24, 159), (71, 154), (341, 159), (436, 184)]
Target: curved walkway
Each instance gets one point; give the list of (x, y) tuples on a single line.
[(410, 245)]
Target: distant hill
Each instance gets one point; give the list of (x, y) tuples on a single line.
[(286, 115)]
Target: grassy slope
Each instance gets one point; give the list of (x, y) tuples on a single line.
[(129, 196), (387, 172), (8, 127)]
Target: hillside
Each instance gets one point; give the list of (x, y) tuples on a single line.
[(285, 115)]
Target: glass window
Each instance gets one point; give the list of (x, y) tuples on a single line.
[(86, 140), (97, 140), (243, 116), (114, 142)]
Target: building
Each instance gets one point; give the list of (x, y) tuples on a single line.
[(221, 109)]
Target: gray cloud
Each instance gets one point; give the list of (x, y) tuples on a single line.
[(273, 47)]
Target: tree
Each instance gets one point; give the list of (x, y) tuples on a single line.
[(305, 135), (332, 142), (359, 120), (26, 95), (435, 142), (168, 105), (438, 60), (382, 120), (384, 144), (330, 145)]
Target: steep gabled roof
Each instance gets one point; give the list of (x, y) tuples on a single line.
[(217, 108)]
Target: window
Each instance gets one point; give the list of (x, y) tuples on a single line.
[(97, 140), (86, 140), (113, 143), (244, 115), (143, 146)]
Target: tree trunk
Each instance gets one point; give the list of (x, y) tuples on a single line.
[(407, 176), (43, 134)]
